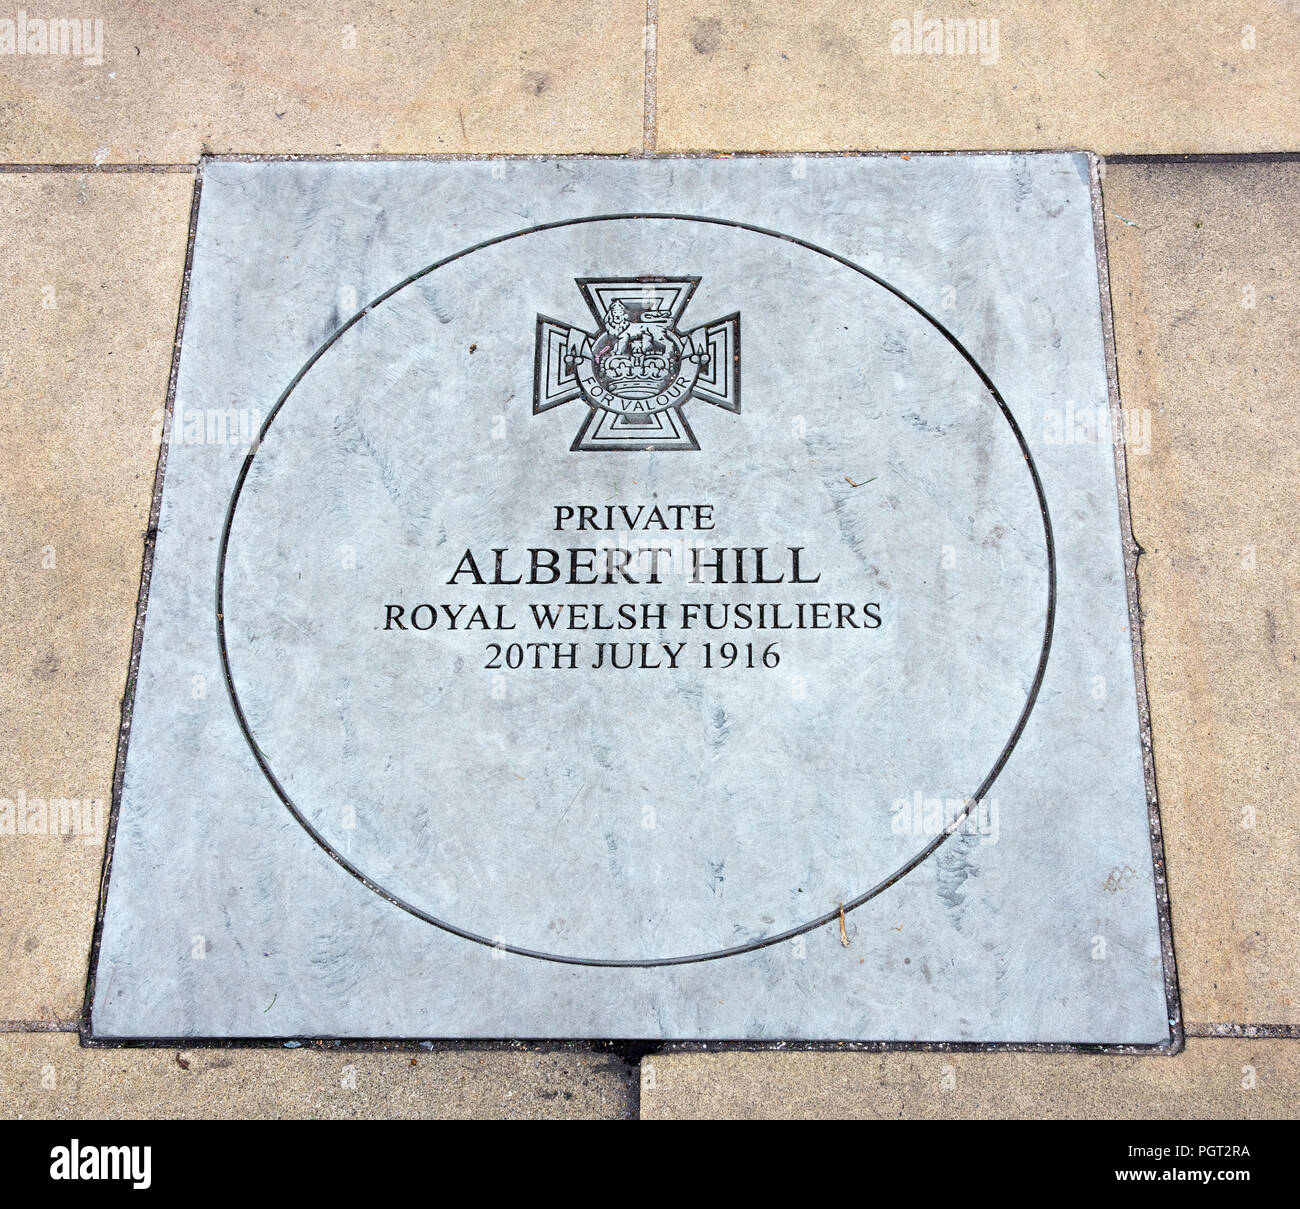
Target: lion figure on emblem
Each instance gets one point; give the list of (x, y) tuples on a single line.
[(641, 337)]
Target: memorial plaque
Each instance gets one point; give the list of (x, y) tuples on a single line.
[(664, 599)]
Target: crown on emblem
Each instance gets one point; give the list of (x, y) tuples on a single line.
[(636, 354)]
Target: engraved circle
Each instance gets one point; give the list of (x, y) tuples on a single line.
[(977, 793)]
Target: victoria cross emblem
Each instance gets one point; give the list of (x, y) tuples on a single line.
[(638, 369)]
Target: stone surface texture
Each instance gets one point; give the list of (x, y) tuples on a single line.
[(754, 76), (51, 1077), (94, 267), (1216, 1080), (180, 80), (773, 806), (1206, 331)]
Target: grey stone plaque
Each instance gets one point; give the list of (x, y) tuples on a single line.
[(668, 599)]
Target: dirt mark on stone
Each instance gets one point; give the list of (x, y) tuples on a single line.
[(707, 36)]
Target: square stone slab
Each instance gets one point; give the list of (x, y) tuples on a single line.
[(666, 599)]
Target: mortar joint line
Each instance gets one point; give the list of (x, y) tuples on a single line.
[(1225, 1030), (650, 44)]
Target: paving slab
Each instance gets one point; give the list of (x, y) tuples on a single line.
[(1210, 1079), (1203, 264), (496, 644), (822, 76), (93, 276), (51, 1076), (172, 81)]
